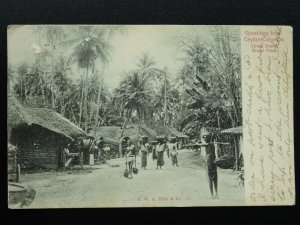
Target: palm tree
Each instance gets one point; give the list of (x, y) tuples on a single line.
[(132, 96), (108, 32), (215, 71), (137, 89), (52, 34), (89, 46)]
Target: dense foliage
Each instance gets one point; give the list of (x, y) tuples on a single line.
[(205, 93)]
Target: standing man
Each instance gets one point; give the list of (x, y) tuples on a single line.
[(100, 146), (107, 152), (211, 167), (130, 157)]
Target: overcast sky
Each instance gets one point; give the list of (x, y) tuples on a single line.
[(158, 41)]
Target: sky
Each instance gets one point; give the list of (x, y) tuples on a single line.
[(156, 40)]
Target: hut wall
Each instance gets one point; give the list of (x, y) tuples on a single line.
[(38, 146)]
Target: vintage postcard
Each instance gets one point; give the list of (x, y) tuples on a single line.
[(149, 116)]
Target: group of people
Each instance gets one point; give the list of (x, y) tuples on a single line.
[(96, 149), (157, 150), (160, 146)]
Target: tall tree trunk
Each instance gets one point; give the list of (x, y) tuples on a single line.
[(126, 122), (91, 109), (74, 117), (165, 119), (85, 101), (44, 88), (21, 87), (123, 129), (218, 118), (231, 118), (98, 107), (124, 126), (52, 76), (63, 105), (81, 102)]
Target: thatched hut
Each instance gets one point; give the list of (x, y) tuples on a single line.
[(172, 132), (237, 135), (135, 132), (40, 134)]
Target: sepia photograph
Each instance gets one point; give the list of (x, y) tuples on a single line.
[(124, 116)]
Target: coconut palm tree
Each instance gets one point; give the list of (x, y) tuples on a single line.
[(88, 47), (108, 32), (132, 96), (52, 35), (137, 89)]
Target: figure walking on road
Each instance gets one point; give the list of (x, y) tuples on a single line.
[(130, 155), (174, 154), (100, 146), (144, 155), (160, 153), (211, 167), (154, 153)]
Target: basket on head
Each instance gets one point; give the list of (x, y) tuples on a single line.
[(160, 139)]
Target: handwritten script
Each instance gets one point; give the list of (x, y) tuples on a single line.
[(267, 114)]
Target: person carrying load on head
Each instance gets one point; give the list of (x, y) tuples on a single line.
[(130, 157), (144, 154), (107, 152), (100, 145), (174, 152), (161, 147), (154, 147)]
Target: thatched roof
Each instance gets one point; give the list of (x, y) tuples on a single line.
[(46, 118), (233, 130), (135, 132), (54, 121), (170, 131), (110, 141)]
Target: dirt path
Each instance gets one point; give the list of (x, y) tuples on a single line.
[(104, 186)]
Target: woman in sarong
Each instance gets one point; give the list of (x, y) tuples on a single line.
[(160, 154), (144, 154), (174, 154), (154, 153)]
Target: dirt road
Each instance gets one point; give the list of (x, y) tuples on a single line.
[(105, 186)]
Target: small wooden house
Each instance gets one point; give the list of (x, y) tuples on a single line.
[(40, 134)]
